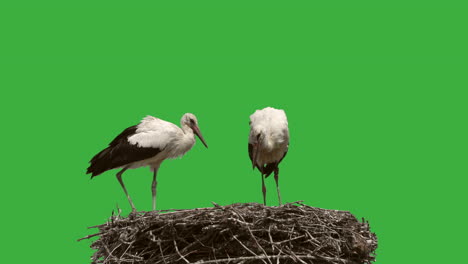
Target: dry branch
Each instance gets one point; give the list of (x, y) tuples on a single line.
[(237, 233)]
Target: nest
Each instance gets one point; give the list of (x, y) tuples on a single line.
[(237, 233)]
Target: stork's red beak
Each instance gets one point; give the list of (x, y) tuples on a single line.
[(255, 150), (196, 130)]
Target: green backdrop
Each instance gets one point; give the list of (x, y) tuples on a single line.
[(372, 91)]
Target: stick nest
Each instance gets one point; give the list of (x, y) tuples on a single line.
[(237, 233)]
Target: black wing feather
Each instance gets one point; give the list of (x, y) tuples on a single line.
[(250, 152), (119, 153), (268, 168), (129, 131)]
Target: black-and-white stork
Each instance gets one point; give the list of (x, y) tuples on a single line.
[(268, 143), (147, 144)]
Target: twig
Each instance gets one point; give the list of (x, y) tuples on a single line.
[(177, 249), (246, 248), (289, 240), (89, 236), (262, 257)]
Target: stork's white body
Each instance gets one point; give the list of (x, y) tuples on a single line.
[(268, 142), (272, 124), (153, 132)]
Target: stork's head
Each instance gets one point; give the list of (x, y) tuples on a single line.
[(189, 120)]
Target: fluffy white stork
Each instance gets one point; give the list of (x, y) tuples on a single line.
[(268, 143), (147, 144)]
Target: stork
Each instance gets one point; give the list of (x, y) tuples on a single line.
[(147, 144), (268, 143)]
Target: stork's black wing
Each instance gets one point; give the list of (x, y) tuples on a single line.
[(250, 151), (123, 136), (120, 153), (268, 168)]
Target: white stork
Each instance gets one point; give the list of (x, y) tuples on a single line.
[(268, 143), (147, 144)]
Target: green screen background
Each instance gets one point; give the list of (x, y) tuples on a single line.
[(372, 91)]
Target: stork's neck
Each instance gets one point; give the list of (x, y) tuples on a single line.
[(270, 140), (268, 143), (187, 129)]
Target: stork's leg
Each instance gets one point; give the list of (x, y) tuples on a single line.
[(277, 185), (119, 177), (153, 187), (263, 189)]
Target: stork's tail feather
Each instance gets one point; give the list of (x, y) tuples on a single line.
[(100, 163), (269, 168)]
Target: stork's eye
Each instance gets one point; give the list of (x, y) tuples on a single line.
[(192, 122)]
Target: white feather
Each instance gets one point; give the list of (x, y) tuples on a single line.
[(272, 124), (153, 132)]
